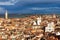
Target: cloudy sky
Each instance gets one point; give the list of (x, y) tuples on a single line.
[(29, 6)]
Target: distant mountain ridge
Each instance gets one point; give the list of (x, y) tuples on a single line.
[(24, 15)]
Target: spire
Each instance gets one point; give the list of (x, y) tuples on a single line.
[(6, 15)]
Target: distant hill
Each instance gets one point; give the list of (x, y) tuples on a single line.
[(17, 15)]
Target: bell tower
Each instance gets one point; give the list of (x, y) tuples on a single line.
[(6, 15)]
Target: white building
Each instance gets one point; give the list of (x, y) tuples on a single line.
[(34, 23), (58, 33), (50, 27), (38, 20)]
